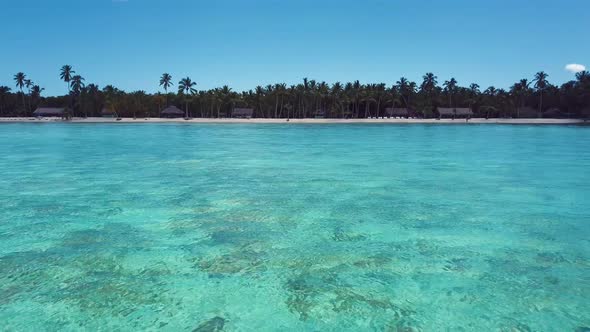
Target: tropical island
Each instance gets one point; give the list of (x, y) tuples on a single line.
[(430, 99)]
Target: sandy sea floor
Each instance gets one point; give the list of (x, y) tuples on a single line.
[(273, 227)]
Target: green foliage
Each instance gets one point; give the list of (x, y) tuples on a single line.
[(304, 100)]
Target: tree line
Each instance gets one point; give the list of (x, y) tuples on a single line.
[(305, 99)]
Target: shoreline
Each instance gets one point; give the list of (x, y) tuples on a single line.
[(539, 121)]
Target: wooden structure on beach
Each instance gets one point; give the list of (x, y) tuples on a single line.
[(108, 113), (554, 113), (527, 112), (397, 112), (242, 113), (460, 112), (319, 114), (50, 112), (489, 111), (172, 112)]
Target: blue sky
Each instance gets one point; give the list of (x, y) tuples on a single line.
[(246, 43)]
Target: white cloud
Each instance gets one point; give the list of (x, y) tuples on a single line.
[(575, 68)]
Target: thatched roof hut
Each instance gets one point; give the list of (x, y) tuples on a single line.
[(488, 111), (527, 112), (172, 112), (319, 114), (243, 113), (397, 112), (108, 113), (50, 111), (553, 112), (463, 112), (444, 112)]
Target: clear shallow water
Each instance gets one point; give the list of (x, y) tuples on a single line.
[(291, 228)]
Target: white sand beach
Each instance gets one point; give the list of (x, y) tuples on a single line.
[(298, 121)]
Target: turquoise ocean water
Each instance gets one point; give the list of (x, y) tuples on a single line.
[(294, 227)]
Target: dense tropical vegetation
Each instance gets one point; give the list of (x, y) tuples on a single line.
[(306, 99)]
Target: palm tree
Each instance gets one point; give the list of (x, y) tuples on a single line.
[(159, 100), (583, 87), (450, 87), (225, 97), (336, 96), (137, 99), (583, 77), (20, 79), (403, 87), (66, 74), (76, 86), (429, 81), (166, 82), (186, 86), (29, 84), (541, 84), (36, 93), (520, 92), (4, 90), (93, 99), (280, 92)]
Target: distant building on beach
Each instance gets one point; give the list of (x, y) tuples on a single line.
[(50, 112), (461, 112), (242, 113), (554, 113), (397, 112), (527, 112), (489, 111), (108, 113), (319, 114), (172, 112)]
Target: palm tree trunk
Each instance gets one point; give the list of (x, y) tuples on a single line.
[(540, 104), (69, 98), (24, 102)]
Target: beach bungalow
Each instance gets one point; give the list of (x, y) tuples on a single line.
[(319, 114), (242, 113), (50, 112), (554, 113), (397, 112), (527, 112), (172, 112), (443, 112), (462, 112), (108, 113), (488, 111)]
